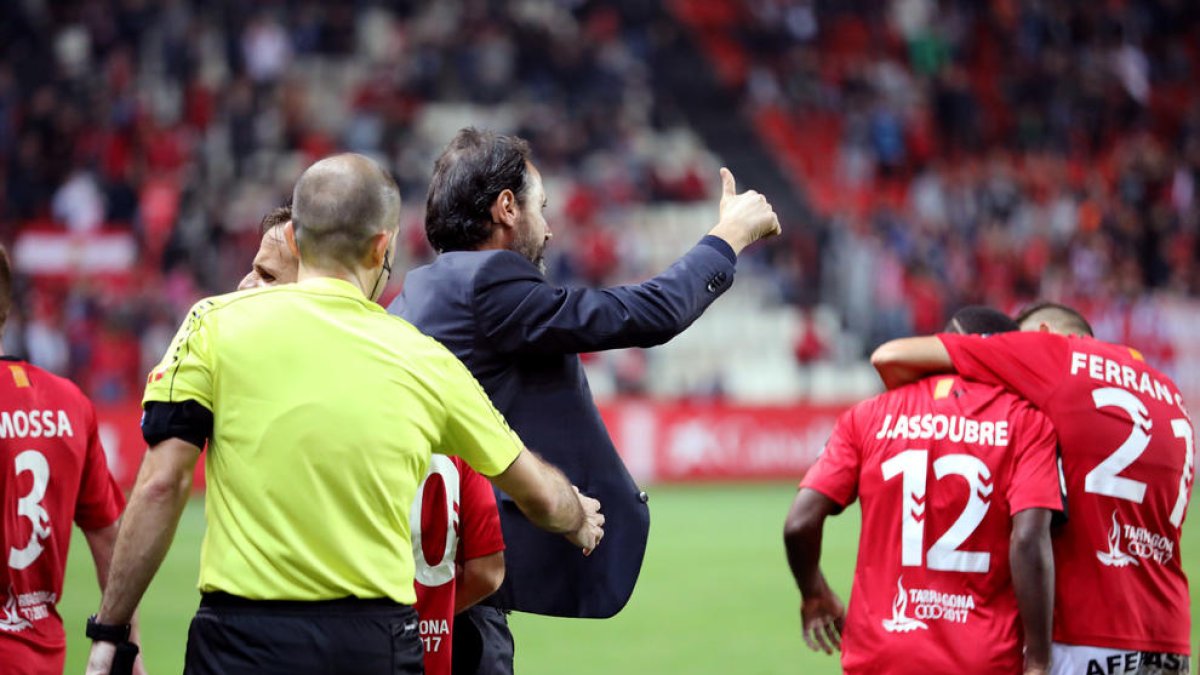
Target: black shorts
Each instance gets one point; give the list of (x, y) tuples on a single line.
[(483, 644), (234, 636)]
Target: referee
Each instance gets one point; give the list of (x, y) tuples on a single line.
[(320, 412)]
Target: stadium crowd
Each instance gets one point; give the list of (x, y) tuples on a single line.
[(954, 152)]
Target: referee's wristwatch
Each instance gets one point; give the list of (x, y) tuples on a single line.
[(103, 632)]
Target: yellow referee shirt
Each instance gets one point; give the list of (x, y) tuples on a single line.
[(325, 411)]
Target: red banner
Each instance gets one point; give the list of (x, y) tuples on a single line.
[(681, 441), (660, 441)]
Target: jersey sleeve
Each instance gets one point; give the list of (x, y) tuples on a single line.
[(185, 372), (479, 522), (100, 501), (1036, 482), (836, 472), (1028, 363), (474, 429)]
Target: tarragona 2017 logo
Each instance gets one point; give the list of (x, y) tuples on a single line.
[(926, 604), (1129, 543), (10, 619)]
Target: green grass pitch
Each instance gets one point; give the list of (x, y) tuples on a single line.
[(715, 595)]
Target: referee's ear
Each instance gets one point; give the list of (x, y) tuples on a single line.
[(289, 236)]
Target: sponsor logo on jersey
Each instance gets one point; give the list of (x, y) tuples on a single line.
[(1114, 556), (10, 620), (900, 622), (1145, 663), (927, 604), (1139, 542)]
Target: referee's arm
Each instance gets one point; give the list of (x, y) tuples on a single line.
[(549, 500), (148, 526)]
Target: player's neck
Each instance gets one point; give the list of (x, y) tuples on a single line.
[(353, 277)]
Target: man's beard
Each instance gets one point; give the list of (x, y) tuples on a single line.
[(533, 251)]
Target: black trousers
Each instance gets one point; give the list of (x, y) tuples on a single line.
[(483, 644), (234, 636)]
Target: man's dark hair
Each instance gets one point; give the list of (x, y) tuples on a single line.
[(1062, 318), (339, 204), (467, 178), (5, 287), (979, 320), (276, 217)]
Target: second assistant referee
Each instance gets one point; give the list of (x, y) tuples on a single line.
[(320, 412)]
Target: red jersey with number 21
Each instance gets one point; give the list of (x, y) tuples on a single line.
[(52, 473), (940, 467), (1127, 453), (454, 519)]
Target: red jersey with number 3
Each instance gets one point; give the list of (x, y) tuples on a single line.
[(52, 473), (1127, 453), (454, 519), (940, 467)]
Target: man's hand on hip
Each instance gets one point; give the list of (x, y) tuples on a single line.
[(745, 218)]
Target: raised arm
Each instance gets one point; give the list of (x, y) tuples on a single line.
[(1032, 562), (822, 612), (907, 360), (519, 311)]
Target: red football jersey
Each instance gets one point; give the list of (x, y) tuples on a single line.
[(940, 466), (52, 472), (1127, 453), (454, 519)]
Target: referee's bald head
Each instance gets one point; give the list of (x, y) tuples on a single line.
[(338, 205)]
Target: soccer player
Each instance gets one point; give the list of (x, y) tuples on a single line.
[(1121, 597), (52, 472), (274, 263), (458, 547), (319, 412), (958, 482), (487, 299)]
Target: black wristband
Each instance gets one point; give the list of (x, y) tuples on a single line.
[(101, 632)]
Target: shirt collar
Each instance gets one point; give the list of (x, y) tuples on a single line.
[(339, 287)]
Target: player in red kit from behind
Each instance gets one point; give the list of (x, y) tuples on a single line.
[(1121, 602), (958, 482), (459, 553), (52, 473)]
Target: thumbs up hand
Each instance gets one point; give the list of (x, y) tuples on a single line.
[(745, 218)]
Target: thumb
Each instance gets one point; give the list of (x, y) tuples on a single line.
[(728, 186)]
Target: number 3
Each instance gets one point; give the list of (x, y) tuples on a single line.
[(30, 507)]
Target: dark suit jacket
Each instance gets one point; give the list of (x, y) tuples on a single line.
[(520, 336)]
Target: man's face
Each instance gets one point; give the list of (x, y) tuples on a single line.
[(532, 232), (274, 262)]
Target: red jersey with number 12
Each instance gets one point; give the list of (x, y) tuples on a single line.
[(454, 519), (1127, 452), (52, 472), (940, 466)]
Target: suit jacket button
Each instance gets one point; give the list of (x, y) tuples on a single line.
[(712, 286), (643, 497)]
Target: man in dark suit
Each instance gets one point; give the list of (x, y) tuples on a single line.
[(486, 298)]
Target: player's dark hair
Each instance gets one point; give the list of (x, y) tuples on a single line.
[(276, 217), (1066, 319), (467, 178), (5, 287), (979, 320)]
